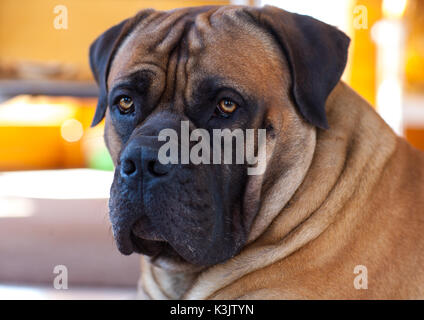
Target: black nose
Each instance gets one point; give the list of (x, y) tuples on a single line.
[(137, 161)]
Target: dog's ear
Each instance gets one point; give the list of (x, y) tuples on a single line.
[(316, 54), (101, 52)]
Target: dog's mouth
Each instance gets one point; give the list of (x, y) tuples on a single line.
[(156, 249), (145, 240), (142, 237), (147, 247)]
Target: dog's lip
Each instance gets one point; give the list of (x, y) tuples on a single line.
[(143, 230), (151, 244), (129, 241), (146, 246), (144, 240), (123, 241)]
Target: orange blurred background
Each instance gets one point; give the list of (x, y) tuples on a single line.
[(37, 58)]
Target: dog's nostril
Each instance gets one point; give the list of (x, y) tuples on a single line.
[(157, 169), (128, 167)]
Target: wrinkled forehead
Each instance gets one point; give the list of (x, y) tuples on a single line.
[(214, 42)]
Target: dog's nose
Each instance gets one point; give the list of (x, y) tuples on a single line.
[(141, 161)]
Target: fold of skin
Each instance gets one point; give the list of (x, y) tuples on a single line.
[(361, 202)]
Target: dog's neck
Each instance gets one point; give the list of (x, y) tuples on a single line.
[(356, 148)]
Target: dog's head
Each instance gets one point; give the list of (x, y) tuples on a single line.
[(211, 68)]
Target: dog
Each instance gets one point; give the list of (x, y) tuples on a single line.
[(338, 212)]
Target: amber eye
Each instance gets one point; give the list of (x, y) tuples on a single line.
[(227, 106), (125, 104)]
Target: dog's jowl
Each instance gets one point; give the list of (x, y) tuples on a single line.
[(334, 187)]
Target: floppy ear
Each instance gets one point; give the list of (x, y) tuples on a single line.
[(316, 53), (101, 53)]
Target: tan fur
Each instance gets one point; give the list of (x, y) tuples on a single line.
[(329, 200), (361, 203), (367, 210)]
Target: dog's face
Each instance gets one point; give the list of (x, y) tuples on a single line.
[(217, 68)]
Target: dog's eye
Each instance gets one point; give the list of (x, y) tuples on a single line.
[(226, 106), (125, 104)]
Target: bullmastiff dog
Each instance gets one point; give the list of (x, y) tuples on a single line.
[(338, 212)]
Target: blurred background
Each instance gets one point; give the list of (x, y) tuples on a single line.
[(55, 172)]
